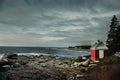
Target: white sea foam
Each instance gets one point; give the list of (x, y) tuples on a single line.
[(27, 54), (62, 53), (32, 54)]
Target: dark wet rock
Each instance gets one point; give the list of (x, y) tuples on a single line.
[(23, 62), (2, 63), (15, 65), (26, 74), (79, 59), (10, 56), (3, 76)]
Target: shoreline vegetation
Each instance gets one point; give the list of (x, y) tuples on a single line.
[(80, 48), (46, 67)]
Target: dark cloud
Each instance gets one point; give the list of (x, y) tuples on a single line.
[(55, 22)]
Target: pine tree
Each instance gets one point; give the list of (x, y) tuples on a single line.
[(113, 41)]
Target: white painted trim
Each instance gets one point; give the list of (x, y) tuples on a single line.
[(101, 53)]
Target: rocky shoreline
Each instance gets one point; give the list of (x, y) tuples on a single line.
[(46, 67), (38, 67)]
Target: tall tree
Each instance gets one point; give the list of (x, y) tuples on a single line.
[(113, 41)]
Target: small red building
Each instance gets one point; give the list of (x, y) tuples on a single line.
[(98, 51)]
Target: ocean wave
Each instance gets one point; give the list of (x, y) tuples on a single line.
[(32, 54)]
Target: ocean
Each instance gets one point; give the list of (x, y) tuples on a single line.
[(54, 51)]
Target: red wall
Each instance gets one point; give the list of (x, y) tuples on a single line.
[(105, 53), (94, 54)]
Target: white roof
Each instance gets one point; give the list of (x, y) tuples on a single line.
[(99, 46)]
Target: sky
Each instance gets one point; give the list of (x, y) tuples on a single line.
[(55, 23)]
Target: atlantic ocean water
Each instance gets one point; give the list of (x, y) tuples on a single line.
[(55, 51)]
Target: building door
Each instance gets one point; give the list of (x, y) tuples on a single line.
[(101, 53)]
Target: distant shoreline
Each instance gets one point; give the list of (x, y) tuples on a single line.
[(79, 49)]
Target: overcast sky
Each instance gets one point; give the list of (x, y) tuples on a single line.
[(55, 22)]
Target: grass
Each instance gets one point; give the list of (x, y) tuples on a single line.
[(109, 60)]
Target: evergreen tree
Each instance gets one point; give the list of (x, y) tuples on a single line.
[(113, 41)]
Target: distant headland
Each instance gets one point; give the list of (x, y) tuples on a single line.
[(80, 47)]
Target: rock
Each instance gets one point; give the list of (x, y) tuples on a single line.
[(26, 74), (10, 56), (92, 65), (5, 60), (84, 58), (43, 60), (96, 61), (86, 63), (3, 76), (83, 69), (6, 66), (62, 66), (43, 64), (40, 68), (57, 57), (77, 64), (60, 63), (79, 76), (23, 62), (16, 65), (2, 63), (117, 54), (87, 56), (79, 59)]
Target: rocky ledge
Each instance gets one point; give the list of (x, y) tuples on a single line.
[(38, 67)]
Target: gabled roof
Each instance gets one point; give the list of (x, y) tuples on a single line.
[(99, 45)]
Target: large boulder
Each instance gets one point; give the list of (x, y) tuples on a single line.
[(86, 63), (2, 63), (9, 56)]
